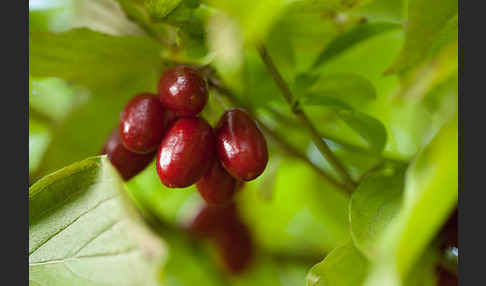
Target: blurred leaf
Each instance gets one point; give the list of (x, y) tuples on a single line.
[(426, 22), (394, 11), (39, 138), (355, 90), (327, 5), (349, 39), (320, 210), (92, 59), (369, 128), (356, 161), (372, 206), (83, 232), (54, 97), (159, 9), (104, 16), (253, 17), (344, 266), (431, 189), (188, 264), (112, 68)]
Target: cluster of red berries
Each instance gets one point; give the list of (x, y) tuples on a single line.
[(191, 152)]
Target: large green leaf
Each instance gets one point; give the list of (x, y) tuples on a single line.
[(93, 59), (431, 189), (373, 205), (344, 266), (83, 231), (427, 21), (111, 69)]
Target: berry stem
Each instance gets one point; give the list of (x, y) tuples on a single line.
[(287, 147), (302, 116)]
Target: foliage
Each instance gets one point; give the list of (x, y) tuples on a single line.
[(377, 78)]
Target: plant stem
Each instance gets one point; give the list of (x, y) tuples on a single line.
[(287, 147), (302, 116)]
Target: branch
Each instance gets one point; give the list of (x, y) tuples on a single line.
[(287, 147), (302, 116)]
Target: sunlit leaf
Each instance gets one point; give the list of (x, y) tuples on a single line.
[(344, 266), (82, 231), (431, 189), (426, 22), (373, 205)]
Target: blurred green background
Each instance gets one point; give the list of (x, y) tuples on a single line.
[(377, 78)]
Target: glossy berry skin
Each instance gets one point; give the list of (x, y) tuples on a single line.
[(183, 90), (235, 246), (126, 162), (143, 123), (240, 145), (216, 186), (186, 152)]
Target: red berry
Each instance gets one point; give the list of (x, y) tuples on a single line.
[(171, 117), (216, 186), (127, 163), (212, 218), (445, 277), (449, 237), (235, 245), (182, 90), (240, 145), (143, 122), (186, 152)]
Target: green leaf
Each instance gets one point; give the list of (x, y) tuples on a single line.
[(253, 17), (113, 69), (431, 189), (344, 266), (159, 9), (93, 59), (320, 210), (369, 128), (426, 22), (54, 98), (355, 90), (349, 39), (326, 5), (82, 230), (393, 11), (39, 138), (373, 205)]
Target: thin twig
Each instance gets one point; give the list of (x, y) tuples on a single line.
[(287, 147), (302, 116)]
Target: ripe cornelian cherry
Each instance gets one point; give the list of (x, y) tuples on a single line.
[(143, 123), (235, 246), (216, 186), (183, 90), (171, 117), (126, 162), (240, 145), (212, 218), (186, 152)]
